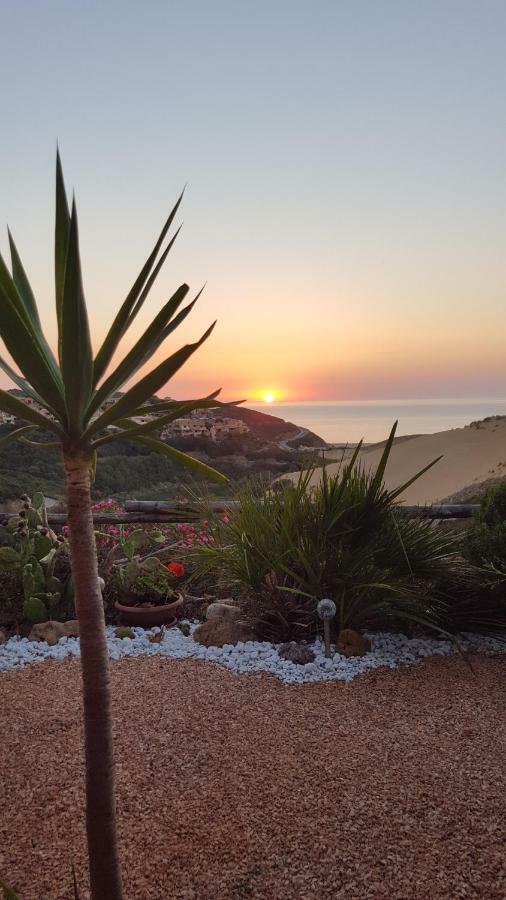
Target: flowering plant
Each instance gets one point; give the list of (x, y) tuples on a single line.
[(145, 582), (138, 564)]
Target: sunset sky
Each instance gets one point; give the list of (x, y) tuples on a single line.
[(346, 164)]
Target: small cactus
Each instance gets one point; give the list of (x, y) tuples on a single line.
[(122, 632)]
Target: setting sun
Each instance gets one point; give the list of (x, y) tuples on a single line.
[(268, 397)]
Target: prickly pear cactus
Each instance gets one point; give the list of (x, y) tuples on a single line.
[(35, 610), (29, 548), (33, 577)]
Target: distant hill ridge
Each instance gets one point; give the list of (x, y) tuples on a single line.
[(269, 427)]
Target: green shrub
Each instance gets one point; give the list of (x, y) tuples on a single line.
[(485, 549), (346, 539), (493, 508), (486, 539)]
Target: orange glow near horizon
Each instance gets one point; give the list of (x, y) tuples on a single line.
[(337, 267), (359, 343)]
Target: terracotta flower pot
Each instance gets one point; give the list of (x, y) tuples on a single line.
[(148, 616)]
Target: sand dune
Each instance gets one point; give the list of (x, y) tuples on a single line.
[(471, 455)]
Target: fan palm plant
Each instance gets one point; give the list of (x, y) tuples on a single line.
[(344, 538), (75, 399)]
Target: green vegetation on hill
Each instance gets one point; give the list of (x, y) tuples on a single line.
[(26, 469), (129, 470), (124, 470)]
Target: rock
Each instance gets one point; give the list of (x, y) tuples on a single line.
[(3, 636), (296, 653), (352, 643), (311, 669), (71, 628), (218, 632), (51, 631), (184, 627), (122, 632), (223, 610)]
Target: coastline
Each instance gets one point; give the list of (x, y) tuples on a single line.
[(348, 421)]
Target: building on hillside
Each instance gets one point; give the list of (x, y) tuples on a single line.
[(186, 427), (33, 404), (223, 428), (194, 426)]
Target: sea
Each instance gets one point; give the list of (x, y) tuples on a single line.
[(349, 421)]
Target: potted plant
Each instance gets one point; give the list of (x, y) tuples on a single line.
[(141, 583), (148, 595)]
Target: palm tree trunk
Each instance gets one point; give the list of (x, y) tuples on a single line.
[(105, 875)]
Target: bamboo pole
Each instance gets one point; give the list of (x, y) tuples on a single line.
[(163, 506), (435, 511), (59, 519), (442, 511), (161, 511)]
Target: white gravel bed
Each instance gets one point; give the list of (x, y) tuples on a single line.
[(390, 650)]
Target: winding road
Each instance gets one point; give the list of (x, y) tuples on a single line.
[(294, 437)]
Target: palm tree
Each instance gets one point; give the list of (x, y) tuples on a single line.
[(71, 398)]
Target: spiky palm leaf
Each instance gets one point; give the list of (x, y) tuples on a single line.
[(72, 398)]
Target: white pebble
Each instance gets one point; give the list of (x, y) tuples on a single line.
[(387, 650)]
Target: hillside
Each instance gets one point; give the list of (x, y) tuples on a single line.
[(128, 470), (270, 428), (471, 456)]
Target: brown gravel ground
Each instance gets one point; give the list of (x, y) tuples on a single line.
[(233, 788)]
